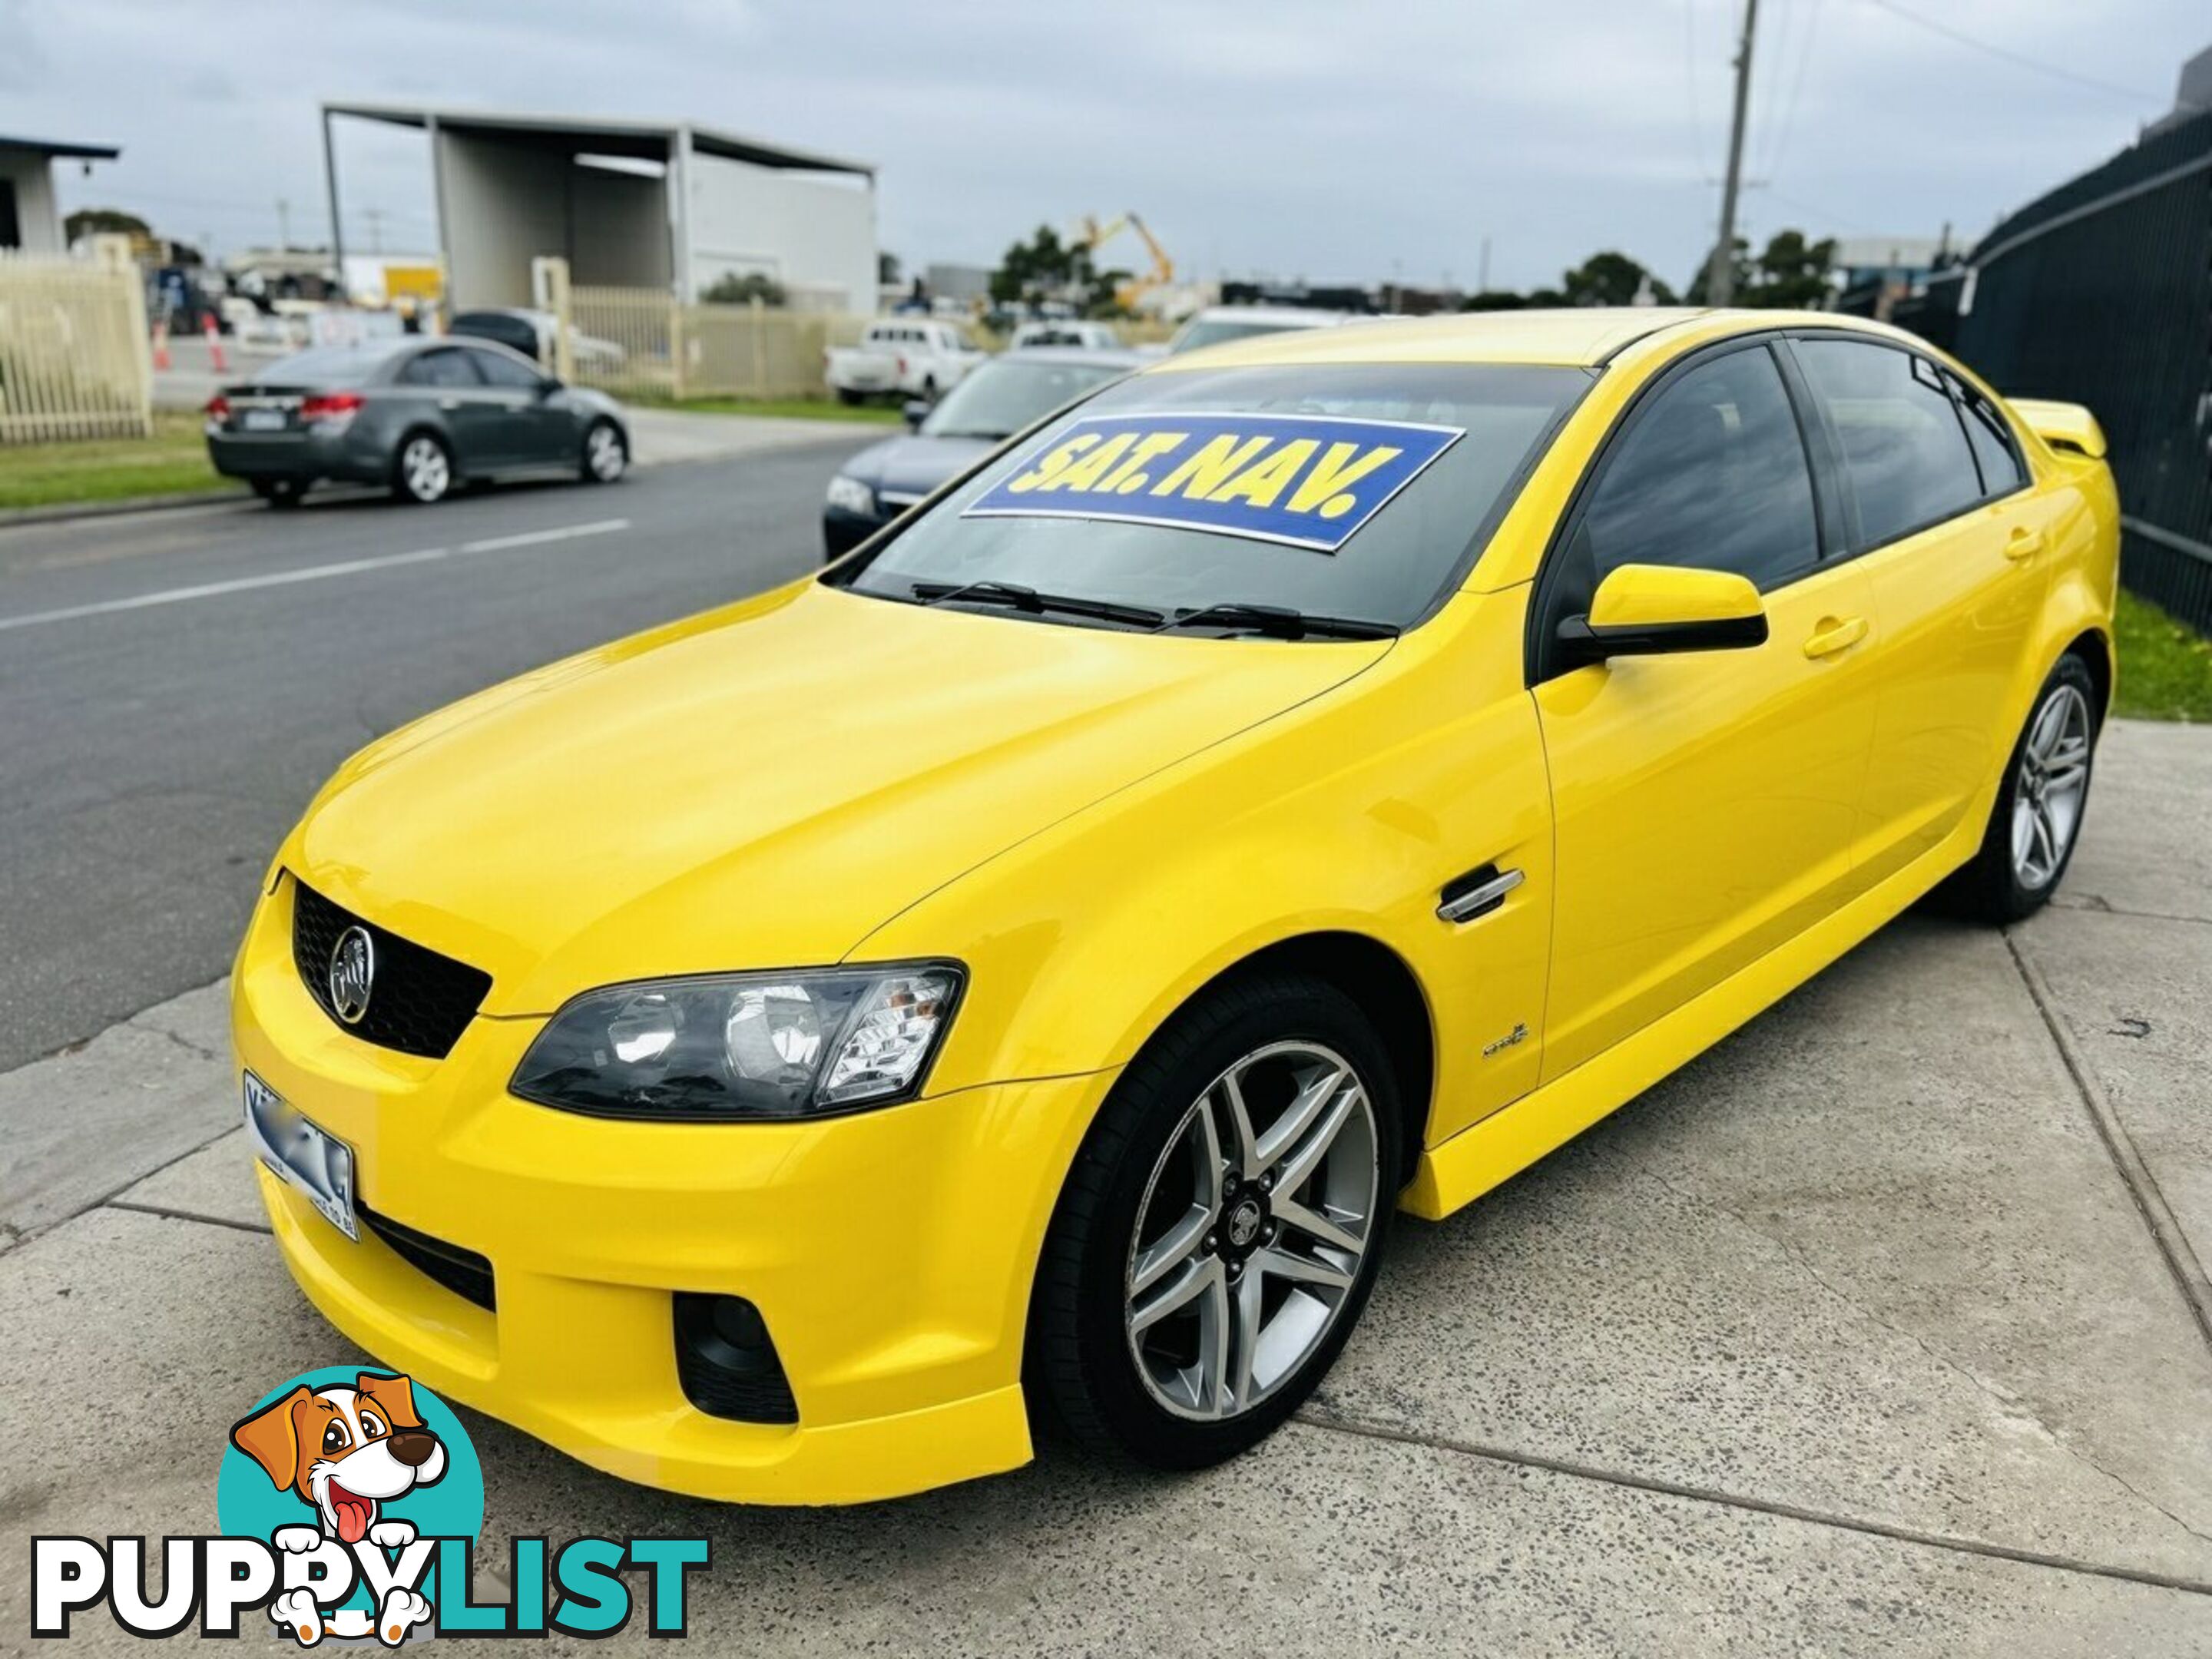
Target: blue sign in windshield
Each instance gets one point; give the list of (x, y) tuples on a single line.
[(1307, 481)]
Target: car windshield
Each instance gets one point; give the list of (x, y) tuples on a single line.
[(1354, 491), (1212, 331), (1000, 397)]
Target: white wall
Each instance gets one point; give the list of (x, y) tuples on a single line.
[(503, 204), (37, 218), (811, 232)]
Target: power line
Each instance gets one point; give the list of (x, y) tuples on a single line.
[(1689, 75), (1786, 117), (2056, 70)]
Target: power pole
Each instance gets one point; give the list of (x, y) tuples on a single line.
[(283, 224), (1720, 278)]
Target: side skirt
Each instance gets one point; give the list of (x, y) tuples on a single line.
[(1456, 1172)]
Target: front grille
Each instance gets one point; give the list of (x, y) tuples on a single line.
[(463, 1273), (419, 1003)]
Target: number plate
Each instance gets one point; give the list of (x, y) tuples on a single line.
[(312, 1160), (261, 420)]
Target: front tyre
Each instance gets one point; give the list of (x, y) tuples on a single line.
[(2036, 819), (422, 472), (1221, 1229)]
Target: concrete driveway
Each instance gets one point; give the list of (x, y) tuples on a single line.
[(1881, 1328)]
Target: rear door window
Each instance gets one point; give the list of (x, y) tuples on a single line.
[(1906, 458), (448, 366)]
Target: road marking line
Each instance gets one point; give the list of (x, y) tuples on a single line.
[(531, 537), (311, 574)]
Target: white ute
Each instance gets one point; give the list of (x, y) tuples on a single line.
[(916, 357)]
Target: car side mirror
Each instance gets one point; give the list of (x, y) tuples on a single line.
[(548, 387), (1654, 610), (917, 411)]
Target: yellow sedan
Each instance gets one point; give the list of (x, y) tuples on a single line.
[(1021, 970)]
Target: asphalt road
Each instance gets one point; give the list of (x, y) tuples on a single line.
[(174, 686)]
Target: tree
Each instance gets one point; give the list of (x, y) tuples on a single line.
[(731, 289), (1493, 299), (1044, 269), (1792, 273), (1612, 278), (104, 221), (1789, 272)]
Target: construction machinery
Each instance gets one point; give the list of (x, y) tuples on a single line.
[(1090, 235)]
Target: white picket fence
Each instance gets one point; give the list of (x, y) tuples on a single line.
[(74, 359)]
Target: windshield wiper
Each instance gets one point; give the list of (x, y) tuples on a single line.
[(1280, 622), (1015, 596)]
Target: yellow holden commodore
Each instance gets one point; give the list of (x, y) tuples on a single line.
[(1018, 972)]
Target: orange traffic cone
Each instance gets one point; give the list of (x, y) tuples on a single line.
[(214, 347), (161, 345)]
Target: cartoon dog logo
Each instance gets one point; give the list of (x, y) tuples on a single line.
[(345, 1453)]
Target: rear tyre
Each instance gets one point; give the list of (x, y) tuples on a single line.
[(2036, 819), (1220, 1231), (280, 492), (850, 397), (422, 471), (605, 456)]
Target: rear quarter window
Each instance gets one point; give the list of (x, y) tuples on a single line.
[(1906, 459)]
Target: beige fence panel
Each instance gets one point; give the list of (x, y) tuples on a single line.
[(74, 358), (642, 342)]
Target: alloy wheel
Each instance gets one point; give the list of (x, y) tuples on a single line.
[(603, 454), (1251, 1232), (424, 468), (2053, 781)]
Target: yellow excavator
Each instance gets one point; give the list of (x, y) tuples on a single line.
[(1090, 235)]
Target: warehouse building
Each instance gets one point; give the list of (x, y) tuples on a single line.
[(671, 205)]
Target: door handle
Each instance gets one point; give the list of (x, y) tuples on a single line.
[(2023, 543), (1836, 633), (1477, 893)]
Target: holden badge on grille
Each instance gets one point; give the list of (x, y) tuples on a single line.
[(353, 973)]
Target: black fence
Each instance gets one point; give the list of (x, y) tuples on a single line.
[(2101, 293)]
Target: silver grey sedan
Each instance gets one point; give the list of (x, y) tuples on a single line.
[(417, 413)]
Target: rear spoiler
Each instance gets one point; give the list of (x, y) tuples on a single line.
[(2067, 427)]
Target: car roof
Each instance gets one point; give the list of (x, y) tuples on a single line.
[(1575, 335), (1288, 316), (1103, 356)]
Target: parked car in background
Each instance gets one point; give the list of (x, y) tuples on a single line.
[(902, 356), (420, 414), (533, 333), (1007, 393), (1054, 331), (1218, 323)]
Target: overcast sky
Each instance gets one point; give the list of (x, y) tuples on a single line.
[(1329, 139)]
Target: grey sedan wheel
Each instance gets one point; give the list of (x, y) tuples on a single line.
[(424, 470), (606, 457)]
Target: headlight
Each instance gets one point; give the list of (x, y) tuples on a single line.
[(781, 1045), (851, 495)]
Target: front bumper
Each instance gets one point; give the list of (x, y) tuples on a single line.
[(890, 1253)]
